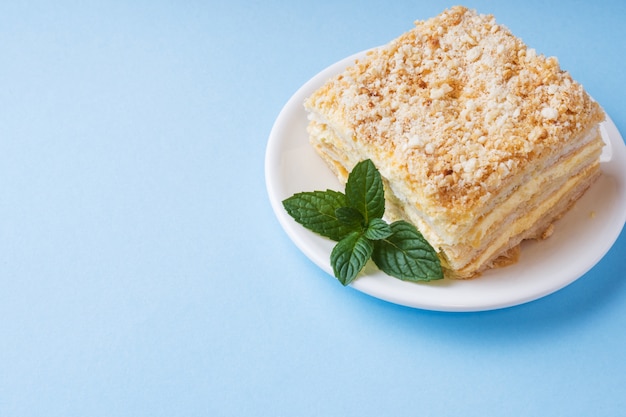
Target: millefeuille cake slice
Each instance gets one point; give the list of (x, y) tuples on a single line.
[(480, 141)]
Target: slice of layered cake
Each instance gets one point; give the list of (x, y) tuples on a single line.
[(481, 142)]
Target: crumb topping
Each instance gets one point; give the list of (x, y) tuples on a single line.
[(460, 103)]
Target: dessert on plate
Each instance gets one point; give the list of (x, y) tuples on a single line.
[(481, 142)]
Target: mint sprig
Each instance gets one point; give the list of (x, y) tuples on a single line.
[(354, 220)]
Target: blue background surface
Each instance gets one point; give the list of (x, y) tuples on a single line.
[(143, 272)]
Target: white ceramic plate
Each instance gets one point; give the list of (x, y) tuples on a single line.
[(581, 238)]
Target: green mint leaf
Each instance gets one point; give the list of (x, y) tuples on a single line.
[(349, 256), (354, 220), (316, 210), (378, 229), (350, 217), (407, 255), (364, 191)]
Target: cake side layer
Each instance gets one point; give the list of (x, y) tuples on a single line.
[(533, 225), (482, 241)]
